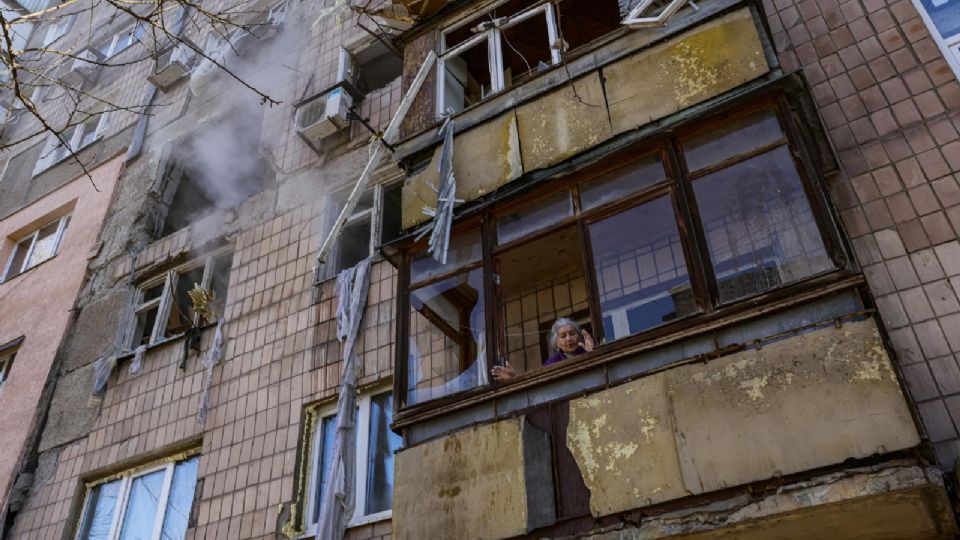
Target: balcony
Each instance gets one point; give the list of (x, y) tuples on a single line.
[(26, 6)]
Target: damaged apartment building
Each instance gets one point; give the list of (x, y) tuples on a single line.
[(261, 283)]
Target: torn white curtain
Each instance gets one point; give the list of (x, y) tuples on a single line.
[(137, 362), (338, 500), (212, 359)]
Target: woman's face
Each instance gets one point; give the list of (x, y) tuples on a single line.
[(568, 339)]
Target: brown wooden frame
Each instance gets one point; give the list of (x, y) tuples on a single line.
[(678, 186)]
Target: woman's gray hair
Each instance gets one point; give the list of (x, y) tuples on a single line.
[(557, 325)]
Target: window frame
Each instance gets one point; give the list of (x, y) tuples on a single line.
[(493, 37), (49, 157), (165, 301), (32, 238), (8, 355), (678, 185), (949, 47), (127, 477), (374, 214), (329, 410), (57, 30), (130, 32)]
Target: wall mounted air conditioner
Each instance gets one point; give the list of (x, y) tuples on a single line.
[(172, 65), (83, 67), (324, 115)]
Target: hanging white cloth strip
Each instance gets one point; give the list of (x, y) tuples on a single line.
[(212, 359), (137, 362), (338, 499)]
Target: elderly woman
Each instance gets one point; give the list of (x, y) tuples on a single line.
[(566, 339)]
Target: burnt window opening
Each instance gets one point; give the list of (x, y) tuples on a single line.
[(629, 246), (164, 306), (375, 221), (369, 66), (214, 171), (512, 43)]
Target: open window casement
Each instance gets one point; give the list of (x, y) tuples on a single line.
[(490, 53), (36, 247), (640, 15)]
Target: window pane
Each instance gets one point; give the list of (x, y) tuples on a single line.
[(640, 269), (45, 246), (741, 137), (144, 327), (180, 501), (447, 336), (540, 215), (526, 50), (759, 225), (390, 223), (221, 281), (98, 515), (141, 512), (327, 434), (619, 183), (539, 282), (464, 249), (17, 257), (181, 311), (354, 243), (6, 361), (466, 78), (945, 15), (153, 292), (383, 443)]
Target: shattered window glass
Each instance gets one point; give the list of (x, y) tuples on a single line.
[(181, 312)]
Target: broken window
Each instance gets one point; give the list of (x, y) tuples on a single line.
[(512, 43), (375, 447), (153, 503), (166, 308), (216, 169), (375, 221), (622, 248), (34, 248), (77, 137), (369, 66)]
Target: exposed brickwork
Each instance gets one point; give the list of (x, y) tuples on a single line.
[(891, 105)]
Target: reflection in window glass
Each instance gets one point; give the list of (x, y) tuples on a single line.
[(540, 215), (325, 436), (447, 333), (742, 137), (98, 515), (759, 226), (619, 183), (945, 15), (142, 503), (382, 444), (180, 501), (18, 257), (640, 269), (539, 282), (464, 249)]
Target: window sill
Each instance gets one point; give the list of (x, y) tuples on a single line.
[(747, 309), (163, 342), (28, 270), (379, 517)]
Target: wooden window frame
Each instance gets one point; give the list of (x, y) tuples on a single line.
[(164, 302), (32, 239), (364, 399), (677, 185)]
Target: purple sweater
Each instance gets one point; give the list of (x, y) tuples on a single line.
[(561, 356)]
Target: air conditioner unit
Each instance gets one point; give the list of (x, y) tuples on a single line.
[(324, 115), (172, 65), (83, 67)]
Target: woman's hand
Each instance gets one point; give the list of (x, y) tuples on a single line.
[(503, 373), (587, 341)]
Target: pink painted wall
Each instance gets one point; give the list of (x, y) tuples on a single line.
[(37, 303)]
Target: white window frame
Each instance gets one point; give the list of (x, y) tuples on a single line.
[(164, 302), (374, 213), (950, 47), (123, 498), (32, 238), (494, 37), (57, 30), (363, 442), (127, 32), (48, 156)]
